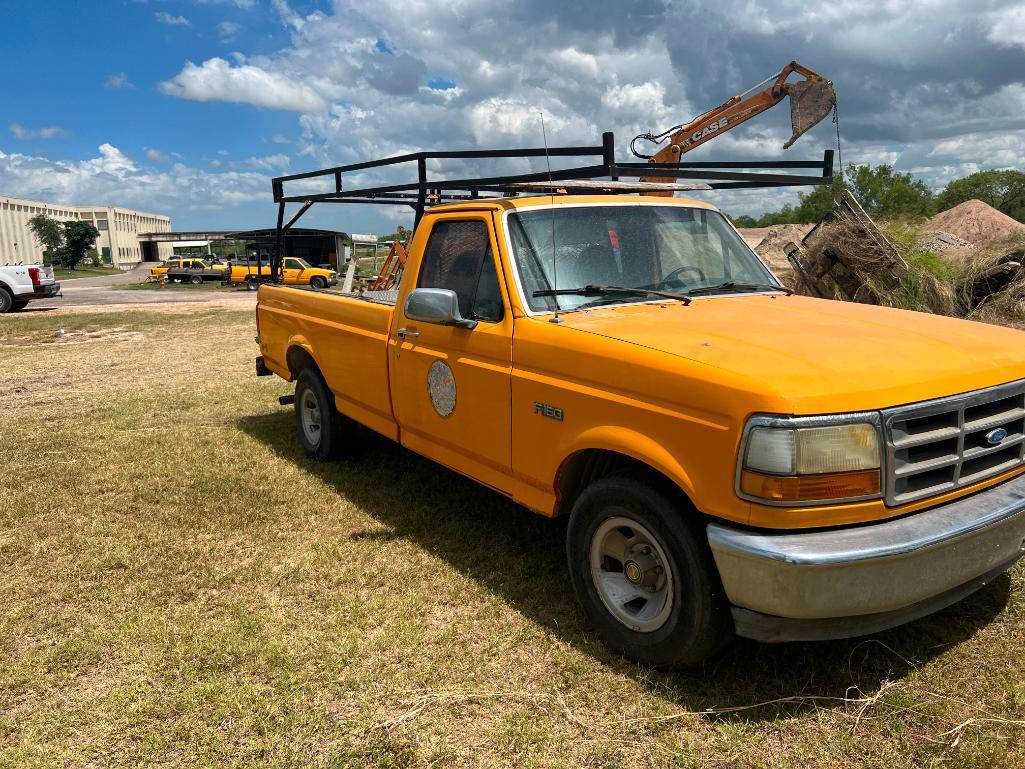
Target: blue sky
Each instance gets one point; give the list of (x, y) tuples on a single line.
[(189, 107)]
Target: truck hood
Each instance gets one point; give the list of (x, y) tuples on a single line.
[(821, 356)]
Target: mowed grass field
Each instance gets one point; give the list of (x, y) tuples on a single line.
[(180, 586)]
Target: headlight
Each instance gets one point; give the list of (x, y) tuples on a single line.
[(808, 460)]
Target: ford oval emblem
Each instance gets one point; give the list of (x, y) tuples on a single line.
[(996, 437)]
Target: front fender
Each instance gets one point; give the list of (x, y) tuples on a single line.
[(636, 445)]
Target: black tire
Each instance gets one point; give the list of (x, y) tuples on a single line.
[(196, 280), (6, 301), (698, 621), (318, 282), (336, 436), (252, 285)]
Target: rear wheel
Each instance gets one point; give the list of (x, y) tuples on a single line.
[(252, 284), (323, 431), (196, 280), (644, 578), (318, 281), (6, 301)]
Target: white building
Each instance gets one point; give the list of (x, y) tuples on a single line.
[(118, 244)]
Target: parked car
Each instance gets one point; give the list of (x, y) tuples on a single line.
[(295, 272), (187, 263), (21, 283), (733, 459)]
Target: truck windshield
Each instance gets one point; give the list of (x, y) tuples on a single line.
[(666, 248)]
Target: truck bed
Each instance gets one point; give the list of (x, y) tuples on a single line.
[(346, 334)]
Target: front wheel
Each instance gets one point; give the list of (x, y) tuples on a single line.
[(318, 282), (645, 580), (195, 280)]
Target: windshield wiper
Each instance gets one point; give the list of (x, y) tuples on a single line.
[(738, 285), (594, 290)]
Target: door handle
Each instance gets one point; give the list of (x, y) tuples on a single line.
[(403, 333)]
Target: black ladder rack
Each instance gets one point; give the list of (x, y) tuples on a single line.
[(422, 193)]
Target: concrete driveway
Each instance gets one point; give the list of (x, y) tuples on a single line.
[(99, 291), (136, 275)]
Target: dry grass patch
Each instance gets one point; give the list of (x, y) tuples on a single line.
[(183, 588)]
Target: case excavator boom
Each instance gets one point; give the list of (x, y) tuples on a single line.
[(811, 100)]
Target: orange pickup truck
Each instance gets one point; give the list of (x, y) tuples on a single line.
[(732, 458)]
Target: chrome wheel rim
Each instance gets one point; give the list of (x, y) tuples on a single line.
[(309, 414), (631, 573)]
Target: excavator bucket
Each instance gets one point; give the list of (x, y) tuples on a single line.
[(810, 101)]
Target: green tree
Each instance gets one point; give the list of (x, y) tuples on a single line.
[(890, 194), (1004, 190), (401, 233), (813, 206), (49, 235), (79, 237), (744, 221)]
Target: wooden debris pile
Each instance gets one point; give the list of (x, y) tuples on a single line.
[(847, 257)]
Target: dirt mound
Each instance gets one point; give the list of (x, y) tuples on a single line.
[(770, 246), (753, 235), (976, 222)]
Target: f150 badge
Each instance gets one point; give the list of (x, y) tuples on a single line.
[(546, 410)]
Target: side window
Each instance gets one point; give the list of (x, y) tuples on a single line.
[(292, 264), (458, 257)]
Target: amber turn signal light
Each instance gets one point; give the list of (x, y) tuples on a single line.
[(810, 488)]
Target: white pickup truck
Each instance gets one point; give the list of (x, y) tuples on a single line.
[(21, 283)]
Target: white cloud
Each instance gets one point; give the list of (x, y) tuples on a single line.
[(119, 81), (1007, 26), (1001, 151), (113, 177), (227, 30), (49, 132), (584, 64), (217, 80), (277, 162), (245, 4), (175, 21), (157, 156)]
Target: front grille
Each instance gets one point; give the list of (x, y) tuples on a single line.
[(941, 445)]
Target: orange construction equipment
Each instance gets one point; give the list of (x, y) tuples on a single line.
[(391, 270), (811, 100)]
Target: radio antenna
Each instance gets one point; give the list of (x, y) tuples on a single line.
[(551, 190)]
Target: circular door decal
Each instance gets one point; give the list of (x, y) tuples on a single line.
[(441, 385)]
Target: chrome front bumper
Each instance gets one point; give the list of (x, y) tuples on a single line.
[(856, 580)]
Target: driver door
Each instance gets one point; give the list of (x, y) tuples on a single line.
[(293, 271), (451, 387)]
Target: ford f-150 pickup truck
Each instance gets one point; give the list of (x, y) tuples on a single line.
[(732, 458), (21, 283)]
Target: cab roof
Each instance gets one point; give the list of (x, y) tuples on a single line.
[(538, 201)]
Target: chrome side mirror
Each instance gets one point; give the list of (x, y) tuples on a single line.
[(436, 305)]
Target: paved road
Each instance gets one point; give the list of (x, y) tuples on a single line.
[(137, 275), (101, 296), (97, 292)]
